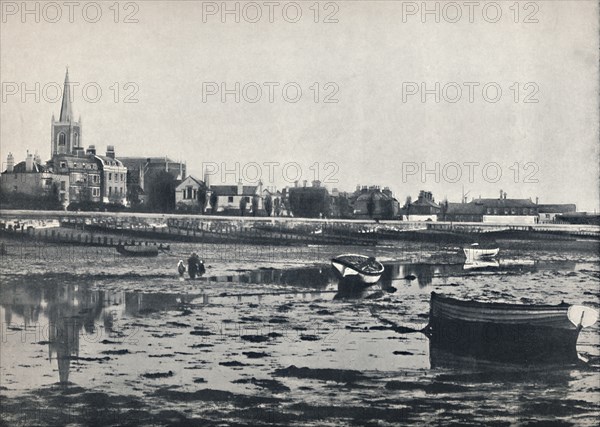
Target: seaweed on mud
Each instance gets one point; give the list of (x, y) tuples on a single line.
[(232, 363), (156, 375), (324, 374), (430, 388), (255, 338), (273, 386), (116, 352), (255, 354), (211, 395)]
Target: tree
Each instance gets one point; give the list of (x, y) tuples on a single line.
[(214, 198), (269, 204), (202, 199), (407, 206), (162, 192), (243, 204), (371, 205), (255, 201), (277, 204)]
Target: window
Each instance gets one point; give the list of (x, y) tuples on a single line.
[(62, 185), (122, 177), (188, 192), (63, 164), (247, 199), (110, 176), (76, 139), (120, 190), (74, 165), (230, 199), (62, 138), (109, 191)]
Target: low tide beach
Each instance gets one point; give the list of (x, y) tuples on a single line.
[(267, 337)]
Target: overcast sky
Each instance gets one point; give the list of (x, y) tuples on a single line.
[(372, 61)]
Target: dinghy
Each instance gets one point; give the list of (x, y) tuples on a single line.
[(365, 269), (476, 252), (138, 251), (522, 333)]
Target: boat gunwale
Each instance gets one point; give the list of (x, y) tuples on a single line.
[(442, 299), (353, 267)]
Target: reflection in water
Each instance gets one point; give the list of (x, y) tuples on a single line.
[(73, 309)]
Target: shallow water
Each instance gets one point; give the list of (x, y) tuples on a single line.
[(266, 337)]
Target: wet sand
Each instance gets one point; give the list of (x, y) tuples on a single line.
[(267, 338)]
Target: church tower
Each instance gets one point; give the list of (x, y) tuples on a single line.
[(66, 132)]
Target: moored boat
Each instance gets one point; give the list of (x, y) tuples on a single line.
[(476, 252), (139, 250), (360, 267), (504, 332)]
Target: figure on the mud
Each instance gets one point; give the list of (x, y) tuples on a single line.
[(181, 267), (195, 266)]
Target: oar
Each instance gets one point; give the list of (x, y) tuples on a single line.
[(582, 316)]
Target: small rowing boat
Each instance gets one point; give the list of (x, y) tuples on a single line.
[(140, 250), (363, 268), (476, 252), (507, 332)]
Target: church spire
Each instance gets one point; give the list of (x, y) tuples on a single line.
[(65, 110)]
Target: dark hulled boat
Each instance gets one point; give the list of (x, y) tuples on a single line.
[(140, 251), (510, 333)]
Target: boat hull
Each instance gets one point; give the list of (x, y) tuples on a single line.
[(473, 254), (138, 251), (347, 267), (509, 333)]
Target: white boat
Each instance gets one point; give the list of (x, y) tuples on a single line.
[(363, 268), (474, 252)]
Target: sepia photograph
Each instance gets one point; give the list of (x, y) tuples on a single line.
[(299, 213)]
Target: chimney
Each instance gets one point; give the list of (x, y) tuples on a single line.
[(10, 163), (29, 162), (537, 199), (36, 158), (501, 192), (78, 151), (240, 188), (91, 150), (110, 151), (260, 187), (304, 183), (206, 179), (505, 195), (316, 183)]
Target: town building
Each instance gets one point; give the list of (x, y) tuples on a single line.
[(191, 194), (374, 203), (548, 213), (499, 211), (28, 177), (227, 198), (423, 209), (143, 173)]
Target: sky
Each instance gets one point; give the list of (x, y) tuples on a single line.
[(516, 88)]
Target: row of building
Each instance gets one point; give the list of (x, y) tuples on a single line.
[(77, 177)]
